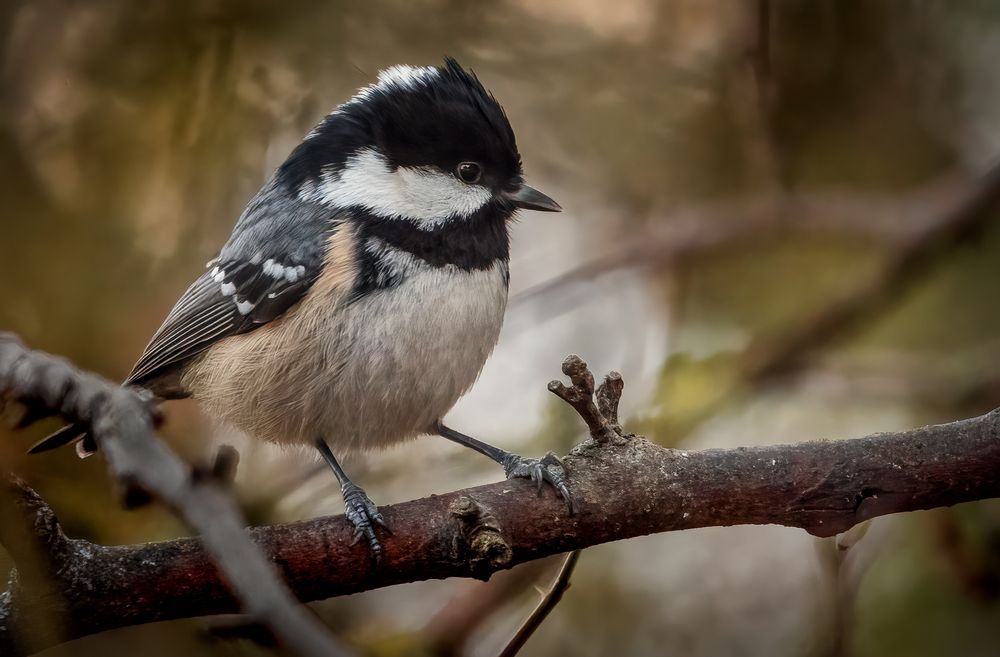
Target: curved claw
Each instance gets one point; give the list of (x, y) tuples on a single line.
[(364, 515), (548, 469)]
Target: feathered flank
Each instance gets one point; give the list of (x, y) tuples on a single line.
[(265, 269)]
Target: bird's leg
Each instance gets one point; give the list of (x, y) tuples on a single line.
[(549, 468), (360, 510)]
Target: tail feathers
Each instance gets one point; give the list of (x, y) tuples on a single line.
[(80, 433), (86, 446), (71, 433)]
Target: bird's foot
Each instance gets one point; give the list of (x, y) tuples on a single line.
[(364, 515), (549, 469)]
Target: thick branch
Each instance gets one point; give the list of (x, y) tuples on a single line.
[(624, 486)]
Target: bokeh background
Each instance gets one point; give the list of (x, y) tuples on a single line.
[(756, 234)]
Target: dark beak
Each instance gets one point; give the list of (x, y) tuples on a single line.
[(529, 198)]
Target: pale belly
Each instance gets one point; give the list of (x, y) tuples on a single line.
[(363, 375)]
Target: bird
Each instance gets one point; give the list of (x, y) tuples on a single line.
[(362, 288)]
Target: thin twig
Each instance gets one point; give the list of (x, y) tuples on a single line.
[(548, 602), (449, 629)]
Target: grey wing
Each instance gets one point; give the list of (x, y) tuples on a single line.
[(234, 297), (271, 260)]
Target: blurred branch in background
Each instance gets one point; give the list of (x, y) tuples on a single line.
[(966, 378), (688, 233), (623, 485), (920, 231), (915, 257), (122, 424)]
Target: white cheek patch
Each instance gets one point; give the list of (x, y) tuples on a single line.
[(424, 196)]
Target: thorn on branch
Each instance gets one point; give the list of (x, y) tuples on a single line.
[(223, 467), (601, 416), (227, 460), (132, 495)]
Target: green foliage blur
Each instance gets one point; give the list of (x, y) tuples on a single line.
[(132, 134)]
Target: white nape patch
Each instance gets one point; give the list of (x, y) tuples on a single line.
[(228, 289), (244, 307), (401, 77), (425, 196), (406, 77)]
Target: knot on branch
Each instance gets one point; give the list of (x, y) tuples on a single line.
[(599, 409), (483, 535)]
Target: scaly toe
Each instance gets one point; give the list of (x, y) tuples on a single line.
[(364, 515), (549, 469)]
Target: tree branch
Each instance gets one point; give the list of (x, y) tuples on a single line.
[(122, 424), (624, 486)]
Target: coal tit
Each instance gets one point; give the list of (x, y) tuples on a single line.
[(363, 287)]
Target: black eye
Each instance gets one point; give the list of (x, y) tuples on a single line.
[(469, 172)]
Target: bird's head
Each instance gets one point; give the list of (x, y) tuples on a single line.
[(429, 145)]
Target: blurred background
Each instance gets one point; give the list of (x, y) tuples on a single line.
[(762, 231)]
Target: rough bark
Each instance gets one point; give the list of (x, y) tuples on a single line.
[(624, 486)]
